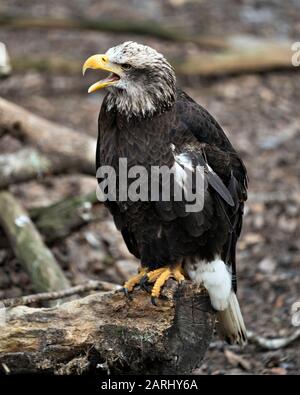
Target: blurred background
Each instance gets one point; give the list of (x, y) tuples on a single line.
[(234, 58)]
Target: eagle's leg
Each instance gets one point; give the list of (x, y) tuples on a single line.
[(160, 276), (134, 281)]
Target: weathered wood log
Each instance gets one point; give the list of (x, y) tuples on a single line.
[(117, 26), (245, 54), (65, 148), (29, 248), (59, 219), (242, 55), (24, 165), (107, 332)]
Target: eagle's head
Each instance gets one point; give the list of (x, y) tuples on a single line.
[(141, 81)]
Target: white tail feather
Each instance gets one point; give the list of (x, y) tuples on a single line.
[(230, 325)]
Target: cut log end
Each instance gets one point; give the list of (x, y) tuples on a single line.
[(106, 332)]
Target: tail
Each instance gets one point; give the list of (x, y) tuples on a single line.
[(230, 325)]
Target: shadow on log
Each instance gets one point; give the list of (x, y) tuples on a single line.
[(105, 332)]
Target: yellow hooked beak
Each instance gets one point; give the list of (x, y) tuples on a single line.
[(101, 62)]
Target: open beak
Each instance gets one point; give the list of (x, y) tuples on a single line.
[(101, 62)]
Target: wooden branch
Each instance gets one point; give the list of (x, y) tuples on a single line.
[(242, 55), (54, 64), (143, 28), (59, 219), (24, 165), (107, 332), (29, 248), (65, 148), (55, 295), (275, 343)]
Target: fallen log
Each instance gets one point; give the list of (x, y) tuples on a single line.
[(24, 165), (58, 220), (106, 332), (143, 28), (29, 248), (65, 148), (243, 54)]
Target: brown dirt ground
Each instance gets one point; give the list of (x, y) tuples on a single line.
[(260, 114)]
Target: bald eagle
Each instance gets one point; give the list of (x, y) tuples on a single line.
[(148, 120)]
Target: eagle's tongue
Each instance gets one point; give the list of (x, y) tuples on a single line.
[(103, 83), (111, 77)]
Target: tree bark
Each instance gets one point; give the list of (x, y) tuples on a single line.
[(107, 332)]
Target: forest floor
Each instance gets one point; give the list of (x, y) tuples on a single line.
[(260, 114)]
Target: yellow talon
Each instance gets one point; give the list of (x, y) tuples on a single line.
[(166, 274), (153, 276), (159, 277), (163, 276), (135, 280), (177, 274)]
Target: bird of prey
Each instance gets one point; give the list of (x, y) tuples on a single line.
[(148, 120)]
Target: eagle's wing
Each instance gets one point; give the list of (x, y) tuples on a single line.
[(198, 138)]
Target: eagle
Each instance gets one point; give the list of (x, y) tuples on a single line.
[(148, 120)]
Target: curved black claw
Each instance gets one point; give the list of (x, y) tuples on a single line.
[(127, 294), (146, 287), (153, 300), (144, 279), (143, 284)]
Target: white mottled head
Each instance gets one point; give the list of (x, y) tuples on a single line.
[(141, 81)]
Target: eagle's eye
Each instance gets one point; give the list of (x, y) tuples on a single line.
[(126, 66)]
